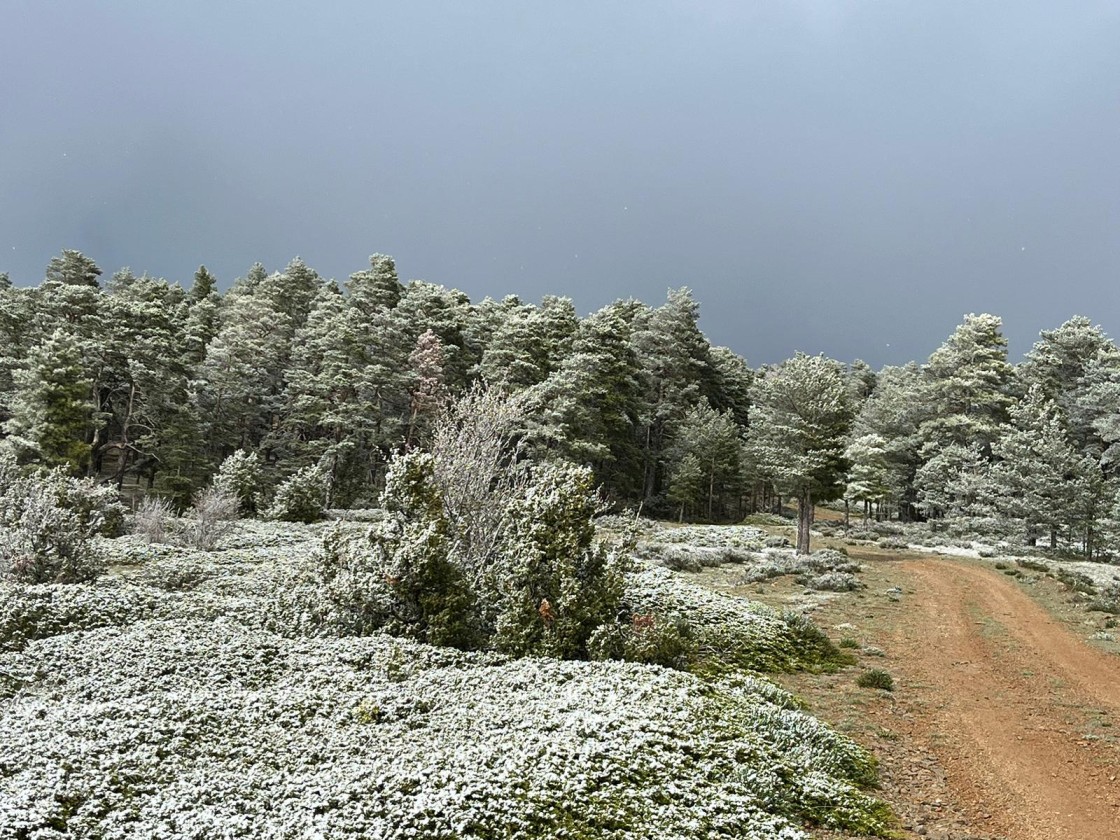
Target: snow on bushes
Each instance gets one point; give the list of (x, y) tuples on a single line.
[(47, 522), (181, 729), (727, 632), (177, 699)]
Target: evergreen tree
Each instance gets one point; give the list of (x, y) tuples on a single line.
[(204, 285), (869, 476), (291, 291), (704, 460), (970, 384), (377, 288), (675, 374), (73, 268), (51, 412), (587, 411), (1034, 477), (893, 413), (800, 416)]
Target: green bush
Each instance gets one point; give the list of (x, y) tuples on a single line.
[(46, 523), (240, 476), (555, 582), (876, 678), (302, 497), (649, 639)]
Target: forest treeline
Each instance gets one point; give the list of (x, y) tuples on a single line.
[(139, 380)]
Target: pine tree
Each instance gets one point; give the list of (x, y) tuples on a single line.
[(1034, 476), (893, 413), (707, 440), (204, 285), (970, 384), (587, 411), (675, 374), (800, 417), (51, 412), (73, 268)]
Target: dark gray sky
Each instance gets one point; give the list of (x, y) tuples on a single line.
[(846, 178)]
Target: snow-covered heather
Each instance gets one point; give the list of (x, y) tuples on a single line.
[(713, 536), (156, 704), (729, 629)]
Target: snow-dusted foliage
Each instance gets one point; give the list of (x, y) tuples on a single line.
[(302, 497), (210, 517), (47, 522), (546, 584), (136, 709), (240, 476), (723, 631), (153, 519)]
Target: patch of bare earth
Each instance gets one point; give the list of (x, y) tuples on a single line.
[(1001, 724)]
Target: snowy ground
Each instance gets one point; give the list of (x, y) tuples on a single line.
[(178, 699)]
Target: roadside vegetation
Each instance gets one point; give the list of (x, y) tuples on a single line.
[(425, 564)]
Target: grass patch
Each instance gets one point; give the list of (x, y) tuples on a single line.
[(876, 678)]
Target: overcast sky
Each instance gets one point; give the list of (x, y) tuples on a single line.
[(845, 178)]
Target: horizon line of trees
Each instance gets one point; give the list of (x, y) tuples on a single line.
[(140, 380)]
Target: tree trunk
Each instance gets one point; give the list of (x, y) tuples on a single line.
[(804, 520)]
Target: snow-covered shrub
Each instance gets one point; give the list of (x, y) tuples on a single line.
[(834, 582), (153, 519), (98, 506), (240, 476), (210, 518), (779, 563), (397, 576), (549, 585), (896, 543), (189, 728), (713, 536), (426, 593), (554, 582), (42, 540), (1108, 601), (692, 558), (863, 533), (726, 633), (651, 639), (39, 611), (302, 497)]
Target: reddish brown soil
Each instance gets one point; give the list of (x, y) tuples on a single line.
[(1001, 722), (1016, 698)]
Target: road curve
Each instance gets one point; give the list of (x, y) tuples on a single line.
[(1021, 708)]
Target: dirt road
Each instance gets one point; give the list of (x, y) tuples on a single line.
[(1019, 711)]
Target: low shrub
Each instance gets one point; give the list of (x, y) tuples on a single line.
[(863, 533), (302, 497), (1076, 581), (1108, 601), (210, 518), (649, 639), (834, 582), (153, 519), (1033, 565), (46, 523), (876, 678)]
